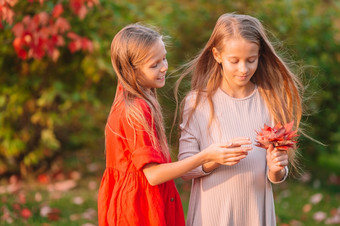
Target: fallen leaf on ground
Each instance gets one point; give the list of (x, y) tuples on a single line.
[(89, 214), (306, 208), (22, 198), (314, 199), (43, 179), (92, 185), (62, 185), (54, 214), (75, 217), (26, 213), (78, 200), (75, 175), (16, 206), (38, 197), (295, 223), (333, 220), (305, 177), (45, 210), (319, 216), (93, 167)]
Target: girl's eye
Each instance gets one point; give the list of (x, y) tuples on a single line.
[(233, 60), (252, 60), (154, 65)]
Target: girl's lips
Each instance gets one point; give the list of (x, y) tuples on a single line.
[(161, 78), (242, 77)]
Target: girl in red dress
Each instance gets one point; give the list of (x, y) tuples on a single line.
[(137, 187)]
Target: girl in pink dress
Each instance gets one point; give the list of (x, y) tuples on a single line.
[(239, 83)]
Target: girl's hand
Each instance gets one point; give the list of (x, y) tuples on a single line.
[(230, 153), (276, 159)]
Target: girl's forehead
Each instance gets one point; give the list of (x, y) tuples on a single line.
[(239, 44), (156, 50)]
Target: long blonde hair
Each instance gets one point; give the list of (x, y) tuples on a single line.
[(129, 50), (279, 87)]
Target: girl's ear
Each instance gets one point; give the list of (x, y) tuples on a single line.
[(216, 55)]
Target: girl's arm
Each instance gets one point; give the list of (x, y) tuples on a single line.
[(236, 142), (221, 154)]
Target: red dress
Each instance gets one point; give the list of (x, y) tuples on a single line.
[(125, 197)]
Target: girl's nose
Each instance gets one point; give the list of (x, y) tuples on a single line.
[(165, 66), (243, 68)]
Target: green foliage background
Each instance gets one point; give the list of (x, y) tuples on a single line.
[(50, 108)]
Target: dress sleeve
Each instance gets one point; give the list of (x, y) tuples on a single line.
[(189, 140), (140, 142)]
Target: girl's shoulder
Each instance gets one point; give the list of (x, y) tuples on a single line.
[(119, 108), (142, 104), (191, 98), (120, 104)]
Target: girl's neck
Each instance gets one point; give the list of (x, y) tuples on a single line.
[(238, 91)]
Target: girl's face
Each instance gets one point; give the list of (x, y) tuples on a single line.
[(155, 66), (239, 60)]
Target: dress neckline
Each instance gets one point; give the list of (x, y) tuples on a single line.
[(221, 92)]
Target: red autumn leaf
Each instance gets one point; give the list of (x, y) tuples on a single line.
[(33, 24), (54, 214), (62, 25), (64, 185), (82, 12), (43, 18), (37, 51), (43, 178), (72, 35), (22, 54), (80, 7), (72, 46), (26, 20), (45, 32), (76, 5), (26, 213), (281, 137), (16, 206), (60, 40), (22, 198), (41, 1), (57, 10), (17, 43), (55, 54), (12, 2), (18, 29), (91, 3)]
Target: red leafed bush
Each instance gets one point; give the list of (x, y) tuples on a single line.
[(281, 137), (44, 33), (6, 12), (52, 77)]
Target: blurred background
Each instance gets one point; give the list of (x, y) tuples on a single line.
[(57, 85)]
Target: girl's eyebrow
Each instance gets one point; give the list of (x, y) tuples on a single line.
[(247, 57), (154, 60)]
